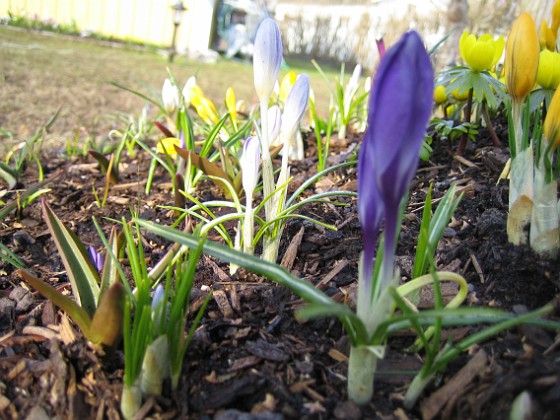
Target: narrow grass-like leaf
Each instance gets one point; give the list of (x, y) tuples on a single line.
[(74, 311), (80, 270)]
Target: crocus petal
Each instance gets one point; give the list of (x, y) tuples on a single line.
[(170, 96), (274, 123), (399, 108), (190, 89), (96, 258), (286, 85), (250, 161), (167, 145), (295, 105), (400, 105), (522, 57), (231, 103), (555, 17), (267, 57)]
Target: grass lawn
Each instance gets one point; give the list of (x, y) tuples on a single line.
[(40, 72)]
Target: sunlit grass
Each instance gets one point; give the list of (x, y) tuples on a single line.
[(41, 72)]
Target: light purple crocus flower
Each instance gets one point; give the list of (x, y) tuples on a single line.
[(96, 258), (267, 57), (400, 105), (295, 105)]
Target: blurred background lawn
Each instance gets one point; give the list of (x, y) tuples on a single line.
[(39, 72)]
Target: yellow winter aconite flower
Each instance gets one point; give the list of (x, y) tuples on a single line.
[(167, 144), (482, 53), (547, 38), (548, 75), (460, 96), (552, 121), (522, 57), (439, 95), (286, 85)]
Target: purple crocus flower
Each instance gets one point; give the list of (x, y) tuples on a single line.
[(96, 258), (267, 57), (400, 106)]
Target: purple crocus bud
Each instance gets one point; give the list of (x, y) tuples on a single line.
[(380, 46), (96, 258), (267, 57), (400, 106)]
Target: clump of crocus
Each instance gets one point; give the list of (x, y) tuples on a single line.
[(400, 105), (545, 232), (267, 58), (521, 66)]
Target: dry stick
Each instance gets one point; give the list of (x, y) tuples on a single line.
[(489, 125), (468, 111)]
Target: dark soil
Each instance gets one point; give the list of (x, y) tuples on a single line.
[(251, 358)]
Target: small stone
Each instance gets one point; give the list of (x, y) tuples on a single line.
[(347, 410), (24, 303), (18, 293), (7, 308)]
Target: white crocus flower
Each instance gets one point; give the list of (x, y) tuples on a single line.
[(188, 89), (170, 96)]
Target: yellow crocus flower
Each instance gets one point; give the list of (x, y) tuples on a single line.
[(547, 38), (205, 109), (482, 53), (522, 57), (231, 104), (439, 95), (548, 75), (555, 17), (167, 144), (286, 85), (552, 121)]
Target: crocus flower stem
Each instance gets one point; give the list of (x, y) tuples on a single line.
[(267, 169), (521, 180), (362, 366)]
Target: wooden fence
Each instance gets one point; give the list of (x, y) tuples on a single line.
[(142, 20)]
